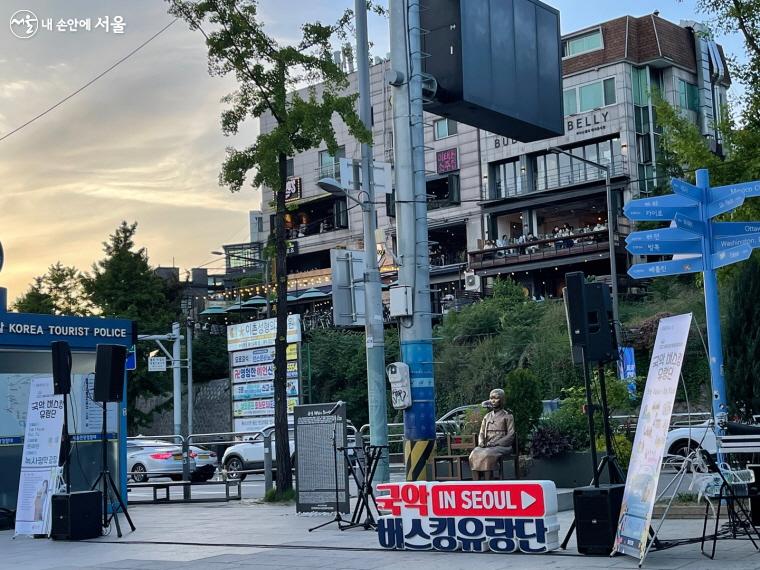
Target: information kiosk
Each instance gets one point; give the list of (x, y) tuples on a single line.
[(24, 355)]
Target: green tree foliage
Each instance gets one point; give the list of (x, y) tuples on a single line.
[(268, 74), (58, 292), (123, 285), (210, 357), (742, 336), (523, 397)]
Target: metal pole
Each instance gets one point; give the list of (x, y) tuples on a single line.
[(373, 300), (266, 287), (712, 313), (177, 381), (190, 395), (611, 223), (267, 462), (411, 220)]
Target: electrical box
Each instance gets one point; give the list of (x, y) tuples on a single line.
[(401, 301), (401, 385)]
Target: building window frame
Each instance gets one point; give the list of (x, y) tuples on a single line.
[(582, 36), (603, 84), (329, 165), (451, 128), (688, 95)]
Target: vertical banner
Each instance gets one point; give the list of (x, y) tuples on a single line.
[(39, 463), (651, 431)]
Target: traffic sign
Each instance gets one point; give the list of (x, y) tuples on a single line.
[(665, 247), (752, 240), (131, 361), (732, 255), (723, 205), (683, 188), (660, 208), (663, 268), (747, 189), (663, 234), (157, 364), (688, 224), (728, 229)]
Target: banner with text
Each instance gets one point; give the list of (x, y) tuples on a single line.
[(256, 334), (651, 432), (39, 463)]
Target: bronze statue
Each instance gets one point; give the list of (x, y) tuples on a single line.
[(497, 432)]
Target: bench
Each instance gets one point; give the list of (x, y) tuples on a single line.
[(166, 486), (455, 462)]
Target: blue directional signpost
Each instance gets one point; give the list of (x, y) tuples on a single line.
[(701, 245)]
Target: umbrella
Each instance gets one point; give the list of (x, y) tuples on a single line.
[(257, 301), (312, 293), (213, 311), (237, 307)]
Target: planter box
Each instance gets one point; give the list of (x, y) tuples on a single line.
[(680, 512), (571, 469)]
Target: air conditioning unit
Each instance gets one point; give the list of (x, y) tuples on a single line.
[(471, 281)]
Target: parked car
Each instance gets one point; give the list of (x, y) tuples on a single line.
[(205, 463), (250, 455), (681, 440), (146, 459)]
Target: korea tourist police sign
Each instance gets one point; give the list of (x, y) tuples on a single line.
[(496, 516), (251, 350), (651, 431)]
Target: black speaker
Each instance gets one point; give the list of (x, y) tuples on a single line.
[(597, 510), (76, 516), (110, 360), (575, 311), (61, 366)]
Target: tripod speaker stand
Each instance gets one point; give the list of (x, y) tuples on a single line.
[(109, 384)]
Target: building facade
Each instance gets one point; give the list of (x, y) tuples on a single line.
[(497, 206)]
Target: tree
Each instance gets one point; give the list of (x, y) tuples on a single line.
[(124, 285), (58, 292), (523, 397), (742, 336), (268, 75)]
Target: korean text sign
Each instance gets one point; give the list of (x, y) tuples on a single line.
[(500, 516), (651, 431)]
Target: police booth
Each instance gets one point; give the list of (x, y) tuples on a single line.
[(25, 354)]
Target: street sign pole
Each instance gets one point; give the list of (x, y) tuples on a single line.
[(712, 311)]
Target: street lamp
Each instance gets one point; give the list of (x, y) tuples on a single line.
[(254, 260), (373, 318), (610, 230)]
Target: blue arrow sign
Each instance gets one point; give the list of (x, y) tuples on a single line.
[(752, 240), (747, 189), (665, 247), (688, 224), (732, 255), (660, 208), (729, 229), (664, 234), (683, 188), (663, 268), (724, 205)]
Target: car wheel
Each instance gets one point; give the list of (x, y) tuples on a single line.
[(683, 447), (234, 466), (139, 473)]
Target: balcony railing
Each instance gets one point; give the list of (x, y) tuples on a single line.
[(539, 250)]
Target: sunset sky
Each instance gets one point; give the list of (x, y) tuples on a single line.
[(143, 142)]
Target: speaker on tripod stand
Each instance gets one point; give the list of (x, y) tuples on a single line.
[(110, 360)]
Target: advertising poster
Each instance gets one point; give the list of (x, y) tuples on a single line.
[(255, 334), (244, 408), (255, 390), (39, 464), (651, 431)]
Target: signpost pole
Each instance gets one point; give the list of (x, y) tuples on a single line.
[(712, 312)]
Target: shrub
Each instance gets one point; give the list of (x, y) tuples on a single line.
[(621, 447), (547, 441), (523, 398)]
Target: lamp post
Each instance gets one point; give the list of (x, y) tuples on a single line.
[(254, 260), (611, 218), (373, 323)]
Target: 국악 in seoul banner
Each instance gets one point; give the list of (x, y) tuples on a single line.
[(500, 516)]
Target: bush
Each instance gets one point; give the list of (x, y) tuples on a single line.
[(547, 441), (523, 398), (621, 447)]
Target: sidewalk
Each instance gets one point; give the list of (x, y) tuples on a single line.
[(257, 535)]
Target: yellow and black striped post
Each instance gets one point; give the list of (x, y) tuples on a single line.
[(418, 459)]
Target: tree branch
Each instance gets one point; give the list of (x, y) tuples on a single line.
[(741, 19)]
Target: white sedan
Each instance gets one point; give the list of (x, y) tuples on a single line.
[(681, 440)]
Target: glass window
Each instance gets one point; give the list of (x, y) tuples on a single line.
[(688, 95), (552, 171), (570, 103), (640, 90), (329, 165), (579, 168), (540, 169), (565, 173), (605, 152), (444, 128), (591, 154), (591, 97), (617, 152), (289, 168), (609, 91), (581, 44)]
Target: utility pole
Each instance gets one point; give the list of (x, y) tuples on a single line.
[(177, 379), (411, 219), (190, 395), (373, 301)]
